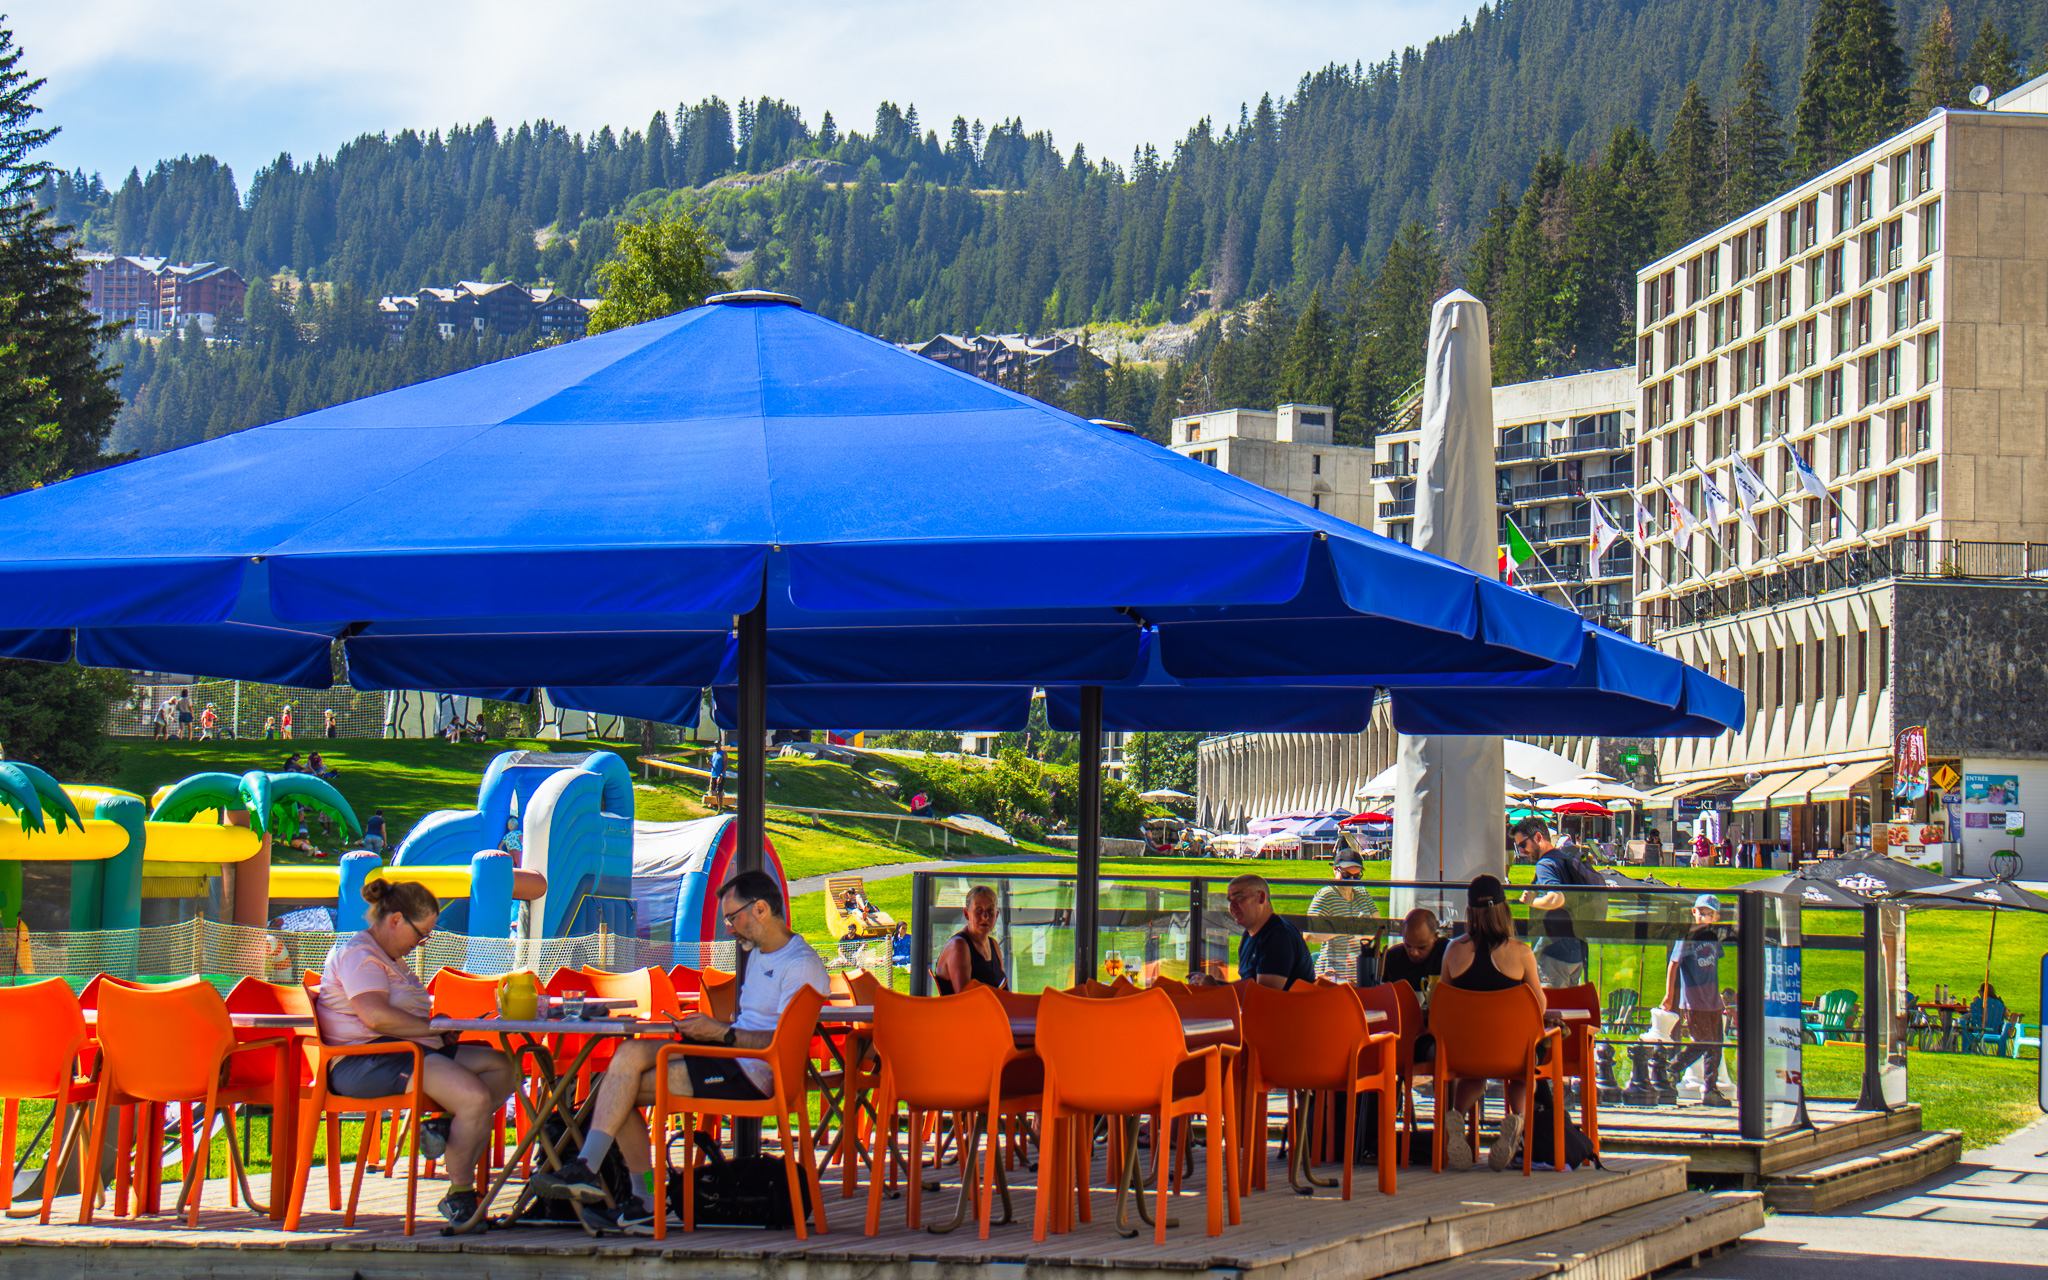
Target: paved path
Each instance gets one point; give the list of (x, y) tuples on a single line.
[(1985, 1218), (890, 870)]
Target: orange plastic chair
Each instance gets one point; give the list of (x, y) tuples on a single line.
[(1404, 1010), (1125, 1058), (164, 1045), (787, 1098), (948, 1053), (857, 1081), (316, 1104), (1220, 1002), (45, 1031), (654, 996), (1493, 1035), (721, 993), (1316, 1039), (686, 981), (1579, 1037), (461, 995)]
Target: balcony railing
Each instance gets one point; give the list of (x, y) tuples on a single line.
[(1611, 482), (1522, 452), (1398, 507), (1906, 558), (1399, 470), (1591, 442), (1545, 489), (1560, 531)]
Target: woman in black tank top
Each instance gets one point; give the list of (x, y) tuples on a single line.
[(971, 955), (1488, 958)]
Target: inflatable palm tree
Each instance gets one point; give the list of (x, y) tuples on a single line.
[(271, 799), (32, 794)]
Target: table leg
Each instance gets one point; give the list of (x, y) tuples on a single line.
[(557, 1097), (284, 1126)]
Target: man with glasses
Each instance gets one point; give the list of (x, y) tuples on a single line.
[(1272, 952), (1331, 909), (1560, 952), (780, 964)]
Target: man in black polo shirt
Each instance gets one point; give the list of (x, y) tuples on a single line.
[(1272, 952)]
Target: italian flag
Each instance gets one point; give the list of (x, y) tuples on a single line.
[(1516, 553)]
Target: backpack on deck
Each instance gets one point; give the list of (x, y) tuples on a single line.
[(611, 1171), (748, 1192), (1578, 1149)]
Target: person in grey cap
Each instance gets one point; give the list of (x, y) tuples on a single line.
[(1692, 986), (1328, 913)]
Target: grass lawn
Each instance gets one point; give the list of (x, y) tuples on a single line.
[(1987, 1099)]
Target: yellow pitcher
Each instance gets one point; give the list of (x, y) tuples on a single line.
[(519, 997)]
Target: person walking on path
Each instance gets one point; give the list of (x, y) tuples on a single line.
[(1692, 987), (185, 715), (1560, 953), (714, 794)]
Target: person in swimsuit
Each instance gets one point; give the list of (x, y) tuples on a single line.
[(1487, 958), (971, 954)]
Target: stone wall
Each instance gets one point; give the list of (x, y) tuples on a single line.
[(1970, 661)]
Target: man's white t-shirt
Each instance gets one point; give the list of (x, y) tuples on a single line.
[(359, 965), (772, 980)]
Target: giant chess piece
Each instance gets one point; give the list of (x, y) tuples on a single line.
[(1660, 1077), (1639, 1092), (1603, 1064)]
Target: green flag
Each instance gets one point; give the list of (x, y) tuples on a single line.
[(1515, 553)]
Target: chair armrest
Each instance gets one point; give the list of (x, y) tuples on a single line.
[(360, 1050), (669, 1051), (268, 1042)]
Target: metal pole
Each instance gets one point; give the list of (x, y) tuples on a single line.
[(1088, 849), (1749, 1015), (1875, 1014), (753, 797), (1198, 928), (921, 933)]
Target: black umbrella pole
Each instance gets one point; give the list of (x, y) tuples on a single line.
[(1088, 853), (749, 853), (1876, 1011)]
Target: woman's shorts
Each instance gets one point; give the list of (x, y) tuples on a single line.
[(377, 1075)]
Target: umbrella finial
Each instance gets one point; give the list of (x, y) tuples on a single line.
[(755, 298)]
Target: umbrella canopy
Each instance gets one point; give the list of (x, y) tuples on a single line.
[(595, 515), (1576, 806), (1977, 895), (1591, 786), (1873, 877), (1361, 819), (1164, 795), (1809, 890)]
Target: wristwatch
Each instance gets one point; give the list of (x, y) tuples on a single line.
[(731, 1037)]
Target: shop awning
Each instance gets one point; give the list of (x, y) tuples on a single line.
[(1666, 796), (1794, 792), (1848, 779), (1759, 795)]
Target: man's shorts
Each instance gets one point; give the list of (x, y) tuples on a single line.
[(1557, 973), (716, 1078), (377, 1075)]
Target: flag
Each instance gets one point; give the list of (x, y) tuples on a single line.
[(1807, 476), (1646, 524), (1680, 514), (1717, 502), (1516, 553), (1749, 486), (1605, 531)]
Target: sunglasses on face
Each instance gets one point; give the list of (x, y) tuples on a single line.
[(1349, 875)]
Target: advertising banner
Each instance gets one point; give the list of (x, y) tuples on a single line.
[(1784, 1018), (1911, 764)]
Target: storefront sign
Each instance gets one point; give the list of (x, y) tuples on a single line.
[(1946, 778), (1996, 790), (1911, 763)]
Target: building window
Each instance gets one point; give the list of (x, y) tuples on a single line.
[(1884, 658), (1862, 661), (1930, 228), (1891, 371), (1194, 432), (1809, 223), (1930, 357), (1923, 167), (1315, 464), (1930, 488), (1923, 295), (1923, 426), (1870, 495), (1895, 244), (1814, 279), (1837, 277), (1316, 500), (1900, 310)]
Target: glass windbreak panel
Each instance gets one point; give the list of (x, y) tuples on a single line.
[(1784, 1015), (1662, 966), (1143, 931), (1034, 929)]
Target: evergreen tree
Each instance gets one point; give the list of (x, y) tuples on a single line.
[(1311, 370), (661, 267), (1817, 134), (1692, 171), (1991, 63), (1937, 78), (1870, 84), (1089, 396), (1390, 319)]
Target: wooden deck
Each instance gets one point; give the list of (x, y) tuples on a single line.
[(1434, 1217), (1707, 1136)]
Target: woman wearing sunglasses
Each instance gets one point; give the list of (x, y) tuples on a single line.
[(368, 995)]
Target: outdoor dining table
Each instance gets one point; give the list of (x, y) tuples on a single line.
[(1948, 1040)]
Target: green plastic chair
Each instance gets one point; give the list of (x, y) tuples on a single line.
[(1833, 1014), (1622, 1009)]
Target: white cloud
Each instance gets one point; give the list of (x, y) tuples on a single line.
[(132, 82)]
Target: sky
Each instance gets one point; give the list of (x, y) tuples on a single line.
[(135, 81)]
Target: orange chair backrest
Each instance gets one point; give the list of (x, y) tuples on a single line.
[(864, 985), (654, 996), (1405, 1015), (1387, 1001), (1208, 1002), (90, 997), (1122, 986), (687, 981), (1483, 1035), (721, 993), (943, 1052), (565, 981), (842, 990), (42, 1027), (1585, 996), (253, 995), (792, 1042), (1016, 1004), (458, 995), (164, 1044), (1165, 983), (1111, 1057), (1305, 1038)]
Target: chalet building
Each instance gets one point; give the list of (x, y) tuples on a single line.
[(157, 295), (479, 307), (1008, 358)]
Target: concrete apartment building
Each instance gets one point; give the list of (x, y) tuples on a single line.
[(1562, 443), (1288, 450), (157, 295), (1885, 323)]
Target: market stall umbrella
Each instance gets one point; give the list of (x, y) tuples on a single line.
[(1577, 806), (1164, 795), (1874, 877), (1360, 819), (1811, 891), (1993, 895)]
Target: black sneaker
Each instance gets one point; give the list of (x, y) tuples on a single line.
[(458, 1206), (637, 1216), (1713, 1097), (573, 1181), (434, 1137)]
